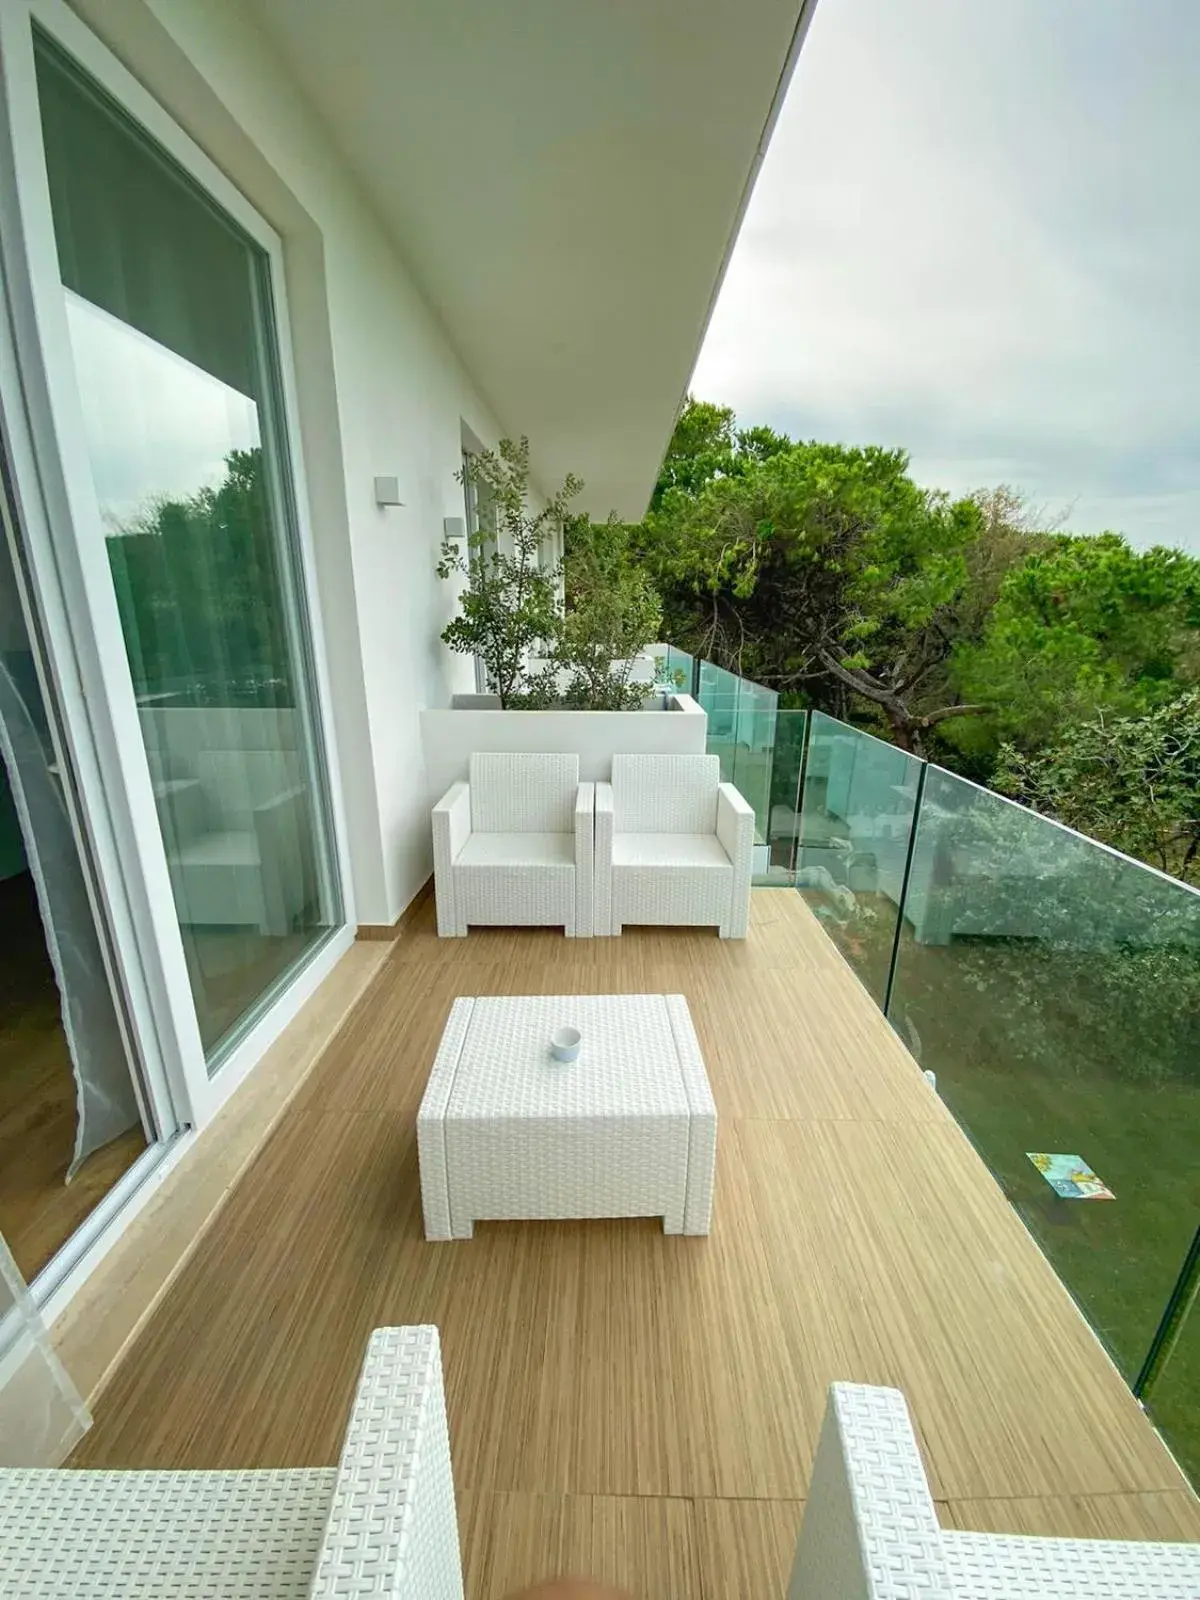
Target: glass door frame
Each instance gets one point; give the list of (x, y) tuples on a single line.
[(75, 589)]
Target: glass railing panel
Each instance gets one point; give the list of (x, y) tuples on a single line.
[(1172, 1396), (1053, 987), (782, 830), (718, 694), (753, 749), (681, 670), (856, 821)]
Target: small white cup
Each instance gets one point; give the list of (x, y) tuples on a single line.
[(565, 1044)]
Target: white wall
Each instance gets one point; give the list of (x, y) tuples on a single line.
[(381, 392)]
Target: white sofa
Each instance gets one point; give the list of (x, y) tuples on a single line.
[(513, 847), (870, 1531), (674, 845), (380, 1523)]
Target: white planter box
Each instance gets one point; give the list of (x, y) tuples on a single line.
[(449, 737)]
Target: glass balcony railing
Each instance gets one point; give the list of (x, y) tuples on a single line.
[(1050, 984), (1169, 1382), (676, 668), (856, 823), (1053, 986)]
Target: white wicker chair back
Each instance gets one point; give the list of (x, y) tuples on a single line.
[(665, 794), (523, 793)]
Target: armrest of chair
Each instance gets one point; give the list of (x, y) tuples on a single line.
[(452, 817), (605, 821), (451, 830), (735, 830), (392, 1528), (870, 1530), (585, 846)]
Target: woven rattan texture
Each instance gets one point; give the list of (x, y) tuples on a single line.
[(523, 793), (628, 1130), (513, 798), (988, 1566), (392, 1526), (665, 794), (68, 1535)]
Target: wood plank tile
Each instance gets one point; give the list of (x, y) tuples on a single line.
[(1167, 1516), (746, 1547), (918, 1274), (644, 1546), (856, 1235), (121, 1294)]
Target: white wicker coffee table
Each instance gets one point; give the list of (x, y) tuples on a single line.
[(628, 1130)]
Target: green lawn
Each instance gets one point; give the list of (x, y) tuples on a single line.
[(1031, 1055)]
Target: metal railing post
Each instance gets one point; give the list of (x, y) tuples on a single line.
[(1166, 1335), (908, 861), (797, 840)]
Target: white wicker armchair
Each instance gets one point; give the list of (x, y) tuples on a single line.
[(674, 845), (513, 847), (870, 1531), (381, 1523)]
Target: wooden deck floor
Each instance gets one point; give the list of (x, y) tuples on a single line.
[(640, 1406)]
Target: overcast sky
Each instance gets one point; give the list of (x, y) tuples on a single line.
[(156, 424), (977, 236)]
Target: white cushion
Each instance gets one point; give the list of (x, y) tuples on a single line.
[(517, 850), (668, 850)]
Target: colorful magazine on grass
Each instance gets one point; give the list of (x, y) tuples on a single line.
[(1070, 1177)]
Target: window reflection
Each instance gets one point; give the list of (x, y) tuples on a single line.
[(167, 309)]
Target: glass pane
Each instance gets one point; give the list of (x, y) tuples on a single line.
[(783, 813), (753, 746), (1054, 989), (855, 824), (1173, 1398), (719, 697), (169, 312), (679, 669), (41, 1412)]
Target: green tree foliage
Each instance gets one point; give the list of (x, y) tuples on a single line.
[(200, 597), (806, 566), (509, 604), (1132, 781), (1089, 625), (707, 444), (511, 614), (612, 613)]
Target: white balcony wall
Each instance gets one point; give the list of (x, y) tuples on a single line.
[(381, 391)]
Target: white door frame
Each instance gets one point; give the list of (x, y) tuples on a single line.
[(75, 590)]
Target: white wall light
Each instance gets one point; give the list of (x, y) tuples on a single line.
[(387, 492)]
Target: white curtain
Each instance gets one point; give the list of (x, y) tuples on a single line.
[(41, 1412), (106, 1104)]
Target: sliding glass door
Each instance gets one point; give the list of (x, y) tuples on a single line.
[(172, 338)]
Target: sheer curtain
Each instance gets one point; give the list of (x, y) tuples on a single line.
[(41, 1412), (106, 1104)]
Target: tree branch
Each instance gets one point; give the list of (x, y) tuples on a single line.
[(862, 683), (931, 718)]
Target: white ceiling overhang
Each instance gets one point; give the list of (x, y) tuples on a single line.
[(564, 179)]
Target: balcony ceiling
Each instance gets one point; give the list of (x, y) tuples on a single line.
[(564, 181)]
